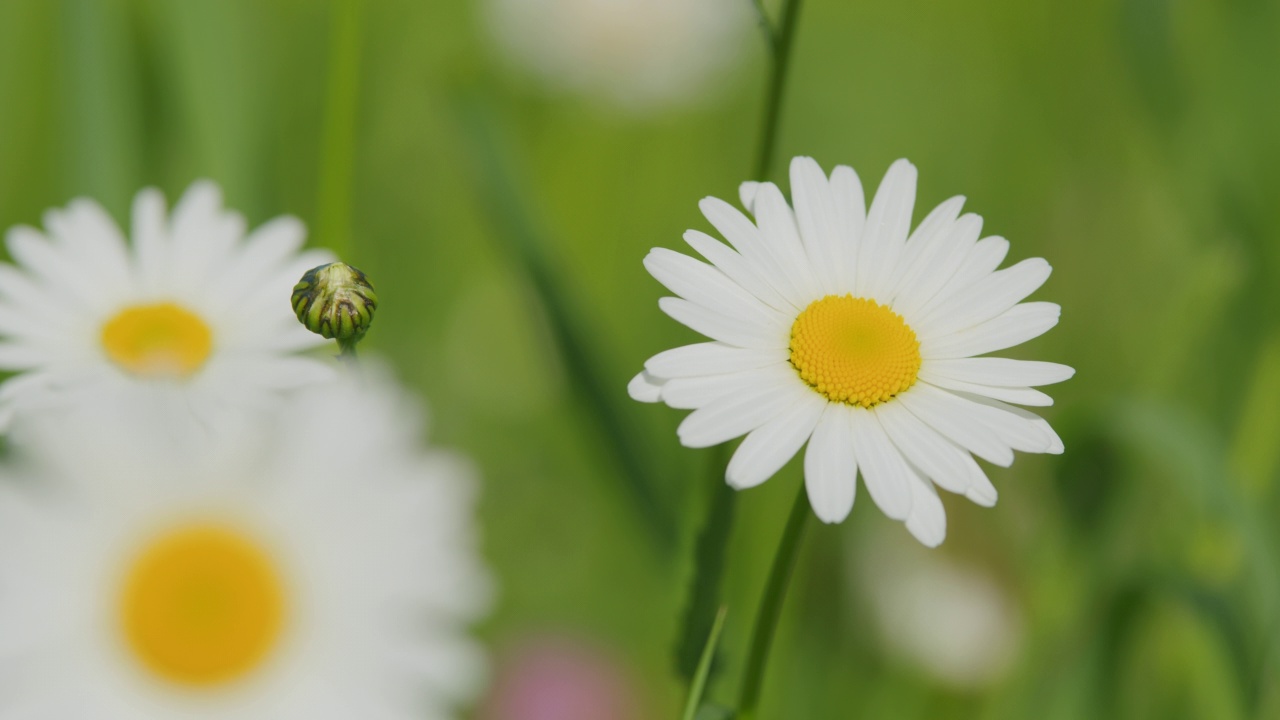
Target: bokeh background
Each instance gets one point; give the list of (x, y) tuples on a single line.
[(502, 207)]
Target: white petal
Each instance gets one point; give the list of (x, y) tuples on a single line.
[(851, 217), (928, 520), (747, 195), (39, 257), (888, 223), (1017, 395), (732, 331), (703, 284), (983, 300), (938, 458), (1015, 429), (747, 239), (150, 238), (1055, 446), (1001, 372), (22, 356), (39, 301), (737, 414), (884, 471), (781, 239), (925, 242), (936, 265), (204, 235), (739, 269), (710, 358), (830, 467), (767, 448), (1019, 324), (819, 224), (980, 261), (644, 388), (691, 393), (980, 491), (93, 239), (736, 228), (265, 250), (949, 415)]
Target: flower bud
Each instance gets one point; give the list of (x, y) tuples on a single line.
[(335, 301)]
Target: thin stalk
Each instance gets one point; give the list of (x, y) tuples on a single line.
[(780, 40), (775, 592), (708, 565), (337, 153), (698, 688), (347, 356), (714, 537)]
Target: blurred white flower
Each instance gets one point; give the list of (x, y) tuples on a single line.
[(950, 619), (320, 565), (637, 54), (834, 324), (193, 312)]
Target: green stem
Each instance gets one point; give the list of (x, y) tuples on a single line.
[(775, 592), (347, 354), (780, 41), (333, 224)]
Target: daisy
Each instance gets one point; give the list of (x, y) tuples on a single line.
[(323, 566), (837, 325), (949, 617), (636, 54), (192, 312)]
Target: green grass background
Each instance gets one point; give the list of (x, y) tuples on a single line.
[(1133, 143)]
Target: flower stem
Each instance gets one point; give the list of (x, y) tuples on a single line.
[(779, 38), (775, 592), (347, 354), (337, 153)]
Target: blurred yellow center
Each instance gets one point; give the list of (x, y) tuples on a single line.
[(854, 350), (202, 606), (161, 339)]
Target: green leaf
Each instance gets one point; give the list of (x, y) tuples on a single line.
[(578, 344)]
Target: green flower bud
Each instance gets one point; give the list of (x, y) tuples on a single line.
[(335, 301)]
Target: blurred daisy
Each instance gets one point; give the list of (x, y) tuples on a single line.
[(951, 619), (836, 325), (193, 312), (636, 53), (322, 566)]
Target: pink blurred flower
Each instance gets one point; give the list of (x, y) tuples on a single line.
[(560, 678)]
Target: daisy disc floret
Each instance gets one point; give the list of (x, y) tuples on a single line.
[(190, 302), (836, 325)]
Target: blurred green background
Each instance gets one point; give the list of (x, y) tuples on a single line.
[(1135, 144)]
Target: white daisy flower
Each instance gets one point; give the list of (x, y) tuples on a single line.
[(952, 619), (837, 325), (638, 54), (193, 311), (323, 566)]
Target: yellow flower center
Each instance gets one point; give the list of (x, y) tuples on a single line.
[(157, 340), (202, 606), (854, 350)]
